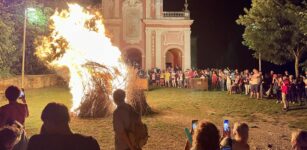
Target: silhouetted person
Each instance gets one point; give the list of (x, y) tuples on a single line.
[(240, 138), (206, 137), (299, 140), (22, 142), (56, 134), (8, 138), (124, 117), (14, 110)]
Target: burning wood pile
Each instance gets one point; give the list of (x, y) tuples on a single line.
[(135, 94), (97, 102), (78, 42)]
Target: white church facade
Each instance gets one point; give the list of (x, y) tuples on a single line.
[(148, 35)]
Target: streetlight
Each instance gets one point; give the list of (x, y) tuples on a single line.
[(27, 10)]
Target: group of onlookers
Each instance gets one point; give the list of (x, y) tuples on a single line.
[(207, 137), (130, 132), (55, 132), (284, 87)]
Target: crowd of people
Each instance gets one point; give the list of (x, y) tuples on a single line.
[(207, 137), (55, 132), (284, 88), (130, 132)]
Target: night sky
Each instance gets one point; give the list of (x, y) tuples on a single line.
[(219, 38)]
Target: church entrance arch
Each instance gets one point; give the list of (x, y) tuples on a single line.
[(133, 57), (173, 58)]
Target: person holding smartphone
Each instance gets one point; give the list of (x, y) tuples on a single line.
[(14, 110), (240, 137), (205, 137)]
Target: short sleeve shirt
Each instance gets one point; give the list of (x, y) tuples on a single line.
[(13, 111)]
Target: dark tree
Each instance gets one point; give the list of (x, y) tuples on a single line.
[(277, 30)]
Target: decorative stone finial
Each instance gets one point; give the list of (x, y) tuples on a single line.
[(186, 10), (186, 5)]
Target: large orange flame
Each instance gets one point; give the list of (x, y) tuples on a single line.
[(78, 37)]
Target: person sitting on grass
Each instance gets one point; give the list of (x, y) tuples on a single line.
[(299, 140), (14, 110), (9, 136), (56, 133), (206, 137)]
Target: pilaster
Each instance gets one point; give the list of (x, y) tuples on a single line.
[(158, 10), (117, 9), (148, 49), (187, 50), (158, 49)]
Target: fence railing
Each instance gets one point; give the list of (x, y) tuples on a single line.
[(174, 14)]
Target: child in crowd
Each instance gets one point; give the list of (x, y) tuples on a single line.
[(284, 92), (173, 75), (214, 81), (153, 78), (162, 78), (186, 79), (167, 78), (292, 90), (277, 82), (228, 83), (300, 91), (246, 82), (180, 79), (158, 78)]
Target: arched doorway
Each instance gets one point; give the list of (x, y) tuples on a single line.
[(133, 57), (173, 58)]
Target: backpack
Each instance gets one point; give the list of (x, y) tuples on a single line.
[(139, 132)]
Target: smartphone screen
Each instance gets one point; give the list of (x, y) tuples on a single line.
[(22, 93), (194, 124), (226, 148), (226, 126)]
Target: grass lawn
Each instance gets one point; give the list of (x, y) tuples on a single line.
[(175, 108)]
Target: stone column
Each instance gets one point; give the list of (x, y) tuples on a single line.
[(148, 49), (187, 49), (116, 9), (148, 9), (143, 62), (158, 49), (158, 8)]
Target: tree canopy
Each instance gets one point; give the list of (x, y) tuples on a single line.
[(11, 27), (277, 30), (7, 44), (12, 15)]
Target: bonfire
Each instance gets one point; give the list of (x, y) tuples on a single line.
[(96, 68)]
